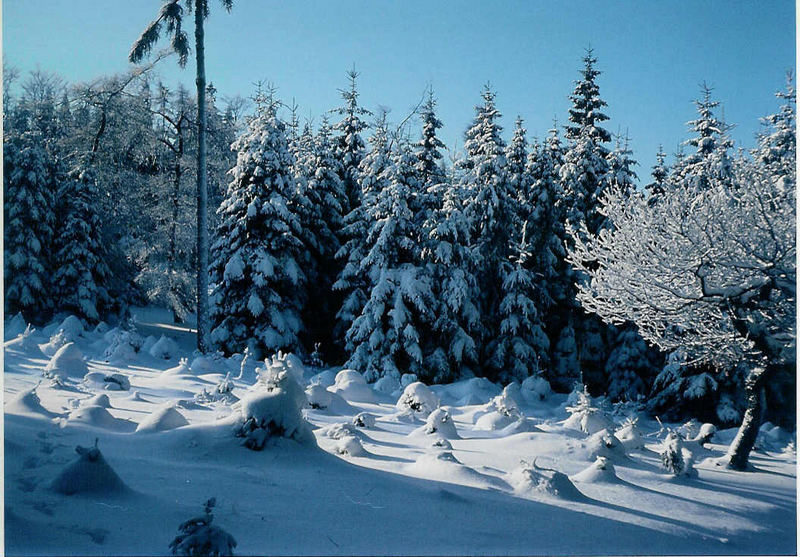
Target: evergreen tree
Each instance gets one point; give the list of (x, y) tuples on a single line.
[(386, 335), (428, 148), (29, 218), (516, 352), (519, 180), (660, 175), (81, 271), (351, 282), (350, 146), (321, 222), (258, 282), (491, 212), (777, 147)]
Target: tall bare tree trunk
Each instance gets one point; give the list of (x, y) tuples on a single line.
[(202, 189)]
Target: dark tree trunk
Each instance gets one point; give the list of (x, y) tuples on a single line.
[(745, 439), (202, 190)]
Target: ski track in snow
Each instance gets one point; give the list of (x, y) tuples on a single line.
[(404, 496)]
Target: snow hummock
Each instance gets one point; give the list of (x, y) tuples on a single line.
[(440, 424), (28, 402), (600, 471), (417, 398), (352, 386), (531, 480), (605, 444), (99, 417), (67, 362), (164, 348), (14, 327), (89, 474), (162, 419)]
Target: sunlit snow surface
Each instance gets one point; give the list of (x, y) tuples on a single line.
[(368, 487)]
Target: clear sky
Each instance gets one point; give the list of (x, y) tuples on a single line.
[(653, 55)]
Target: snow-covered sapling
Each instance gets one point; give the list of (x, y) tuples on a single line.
[(199, 537), (674, 458), (587, 415)]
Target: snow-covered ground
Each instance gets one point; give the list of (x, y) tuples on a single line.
[(477, 476)]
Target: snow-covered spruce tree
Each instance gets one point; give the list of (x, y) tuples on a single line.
[(428, 148), (491, 211), (711, 271), (660, 175), (321, 220), (351, 282), (386, 335), (28, 212), (519, 180), (777, 147), (551, 275), (199, 537), (516, 352), (710, 159), (585, 178), (258, 282), (349, 144), (80, 270)]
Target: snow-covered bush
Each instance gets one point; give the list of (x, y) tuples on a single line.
[(14, 326), (629, 434), (407, 378), (587, 416), (66, 362), (199, 537), (604, 444), (441, 424), (600, 471), (165, 348), (325, 378), (162, 419), (388, 384), (123, 345), (352, 386), (535, 388), (89, 474), (365, 420), (318, 396), (418, 398), (528, 478), (674, 457), (273, 408)]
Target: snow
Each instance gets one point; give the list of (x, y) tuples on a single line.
[(67, 362), (534, 487)]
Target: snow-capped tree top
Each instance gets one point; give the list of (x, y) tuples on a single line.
[(660, 173), (587, 104), (428, 147)]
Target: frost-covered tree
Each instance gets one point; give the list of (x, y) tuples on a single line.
[(660, 174), (80, 269), (351, 282), (29, 218), (711, 271), (385, 337), (519, 180), (522, 343), (777, 147), (350, 145), (428, 148), (490, 209), (258, 282), (323, 197)]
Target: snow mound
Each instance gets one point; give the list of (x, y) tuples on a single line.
[(162, 419), (388, 384), (365, 420), (52, 346), (99, 417), (67, 362), (165, 348), (71, 328), (273, 409), (181, 369), (351, 446), (444, 466), (535, 389), (14, 327), (605, 444), (772, 437), (318, 396), (441, 443), (148, 343), (340, 430), (513, 392), (28, 402), (352, 386), (25, 341), (98, 400), (501, 411), (630, 436), (107, 381), (419, 399), (122, 345), (324, 378), (468, 392), (586, 416), (706, 433), (407, 378), (529, 479), (89, 474), (494, 421), (438, 423), (600, 471), (522, 425), (101, 328), (208, 363)]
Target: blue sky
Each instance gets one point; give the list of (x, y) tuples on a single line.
[(653, 55)]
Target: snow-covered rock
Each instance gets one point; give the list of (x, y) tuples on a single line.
[(162, 419), (419, 399), (67, 362)]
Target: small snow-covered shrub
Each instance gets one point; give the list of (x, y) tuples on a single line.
[(123, 344), (690, 429), (315, 358), (365, 420), (116, 382), (600, 471), (674, 458), (57, 340), (352, 386), (199, 537), (340, 430), (629, 434), (535, 388), (604, 444), (318, 396), (440, 423), (162, 419), (14, 327), (587, 416), (419, 399), (273, 409), (71, 328), (407, 378), (325, 378), (441, 443), (66, 362), (531, 479), (705, 433), (281, 365), (388, 384), (351, 446), (89, 474), (165, 348)]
